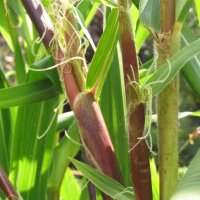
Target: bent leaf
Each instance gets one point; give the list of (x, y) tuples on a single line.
[(106, 184), (27, 93), (162, 77), (191, 71), (189, 186)]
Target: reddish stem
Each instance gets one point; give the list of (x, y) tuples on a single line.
[(139, 155), (40, 19), (7, 187), (95, 136)]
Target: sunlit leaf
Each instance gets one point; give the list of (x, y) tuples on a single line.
[(68, 147), (70, 187), (104, 54), (148, 16), (113, 107), (27, 93), (197, 4), (104, 183), (32, 144), (5, 131)]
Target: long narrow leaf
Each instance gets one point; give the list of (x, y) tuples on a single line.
[(68, 147), (70, 187), (104, 183), (52, 74), (189, 186), (32, 144), (104, 54), (5, 131), (197, 4), (191, 71), (152, 19), (182, 7), (148, 16), (112, 104), (161, 78), (27, 93), (64, 120)]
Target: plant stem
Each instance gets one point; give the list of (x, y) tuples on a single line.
[(139, 155), (167, 104), (7, 187), (99, 150), (168, 15), (67, 148), (45, 29)]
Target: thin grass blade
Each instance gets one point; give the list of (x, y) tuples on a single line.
[(27, 93), (191, 71), (104, 183), (104, 54), (113, 107), (162, 77)]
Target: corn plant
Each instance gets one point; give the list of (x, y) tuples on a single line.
[(108, 123)]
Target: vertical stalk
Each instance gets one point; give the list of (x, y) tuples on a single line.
[(139, 155), (95, 137), (7, 187), (45, 29), (167, 44)]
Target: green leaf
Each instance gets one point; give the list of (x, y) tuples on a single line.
[(106, 184), (136, 3), (110, 3), (152, 19), (68, 147), (91, 14), (154, 180), (162, 77), (5, 131), (104, 54), (27, 93), (8, 28), (70, 187), (189, 186), (191, 71), (197, 4), (141, 35), (148, 16), (52, 74), (113, 107), (182, 8), (134, 14), (4, 25), (64, 120), (32, 144)]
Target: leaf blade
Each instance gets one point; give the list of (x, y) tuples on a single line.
[(103, 182), (189, 186), (103, 57), (162, 77), (27, 93)]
